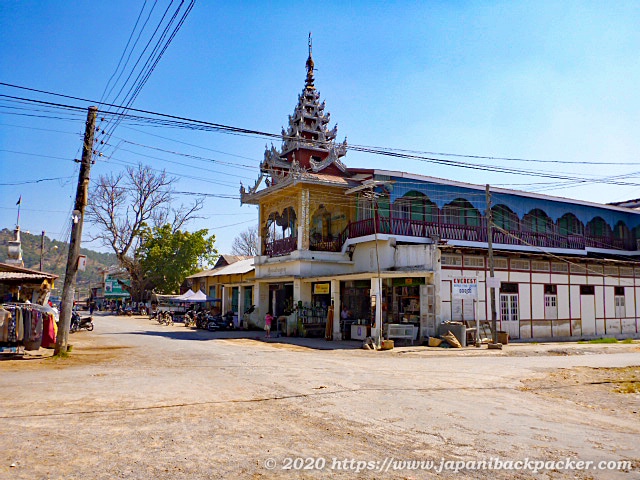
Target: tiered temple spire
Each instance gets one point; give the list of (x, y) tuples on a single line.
[(307, 143)]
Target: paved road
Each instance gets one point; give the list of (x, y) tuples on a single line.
[(141, 400)]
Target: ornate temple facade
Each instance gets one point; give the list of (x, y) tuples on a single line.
[(391, 246)]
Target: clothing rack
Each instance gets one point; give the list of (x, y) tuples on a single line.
[(27, 327), (36, 306)]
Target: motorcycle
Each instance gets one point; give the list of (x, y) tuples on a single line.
[(190, 318), (165, 318), (78, 323), (220, 322), (202, 320)]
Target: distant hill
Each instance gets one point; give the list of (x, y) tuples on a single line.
[(55, 259)]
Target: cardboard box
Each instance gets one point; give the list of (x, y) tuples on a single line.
[(387, 345)]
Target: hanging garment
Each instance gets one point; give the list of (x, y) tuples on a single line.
[(5, 318), (48, 331), (26, 321), (20, 325), (11, 336), (36, 326)]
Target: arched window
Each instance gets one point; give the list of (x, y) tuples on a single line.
[(415, 206), (461, 212), (280, 225), (287, 221), (598, 227), (505, 218), (622, 232), (537, 221), (569, 224)]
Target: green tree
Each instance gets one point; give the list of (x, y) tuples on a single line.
[(121, 206), (168, 256)]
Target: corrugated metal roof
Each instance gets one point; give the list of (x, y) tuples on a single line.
[(13, 272), (242, 266), (24, 276)]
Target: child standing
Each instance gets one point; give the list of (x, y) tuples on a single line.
[(267, 324)]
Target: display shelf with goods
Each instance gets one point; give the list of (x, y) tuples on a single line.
[(312, 320)]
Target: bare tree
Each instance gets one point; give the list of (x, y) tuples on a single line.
[(122, 205), (246, 243)]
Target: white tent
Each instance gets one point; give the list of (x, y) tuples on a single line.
[(192, 297), (185, 296), (198, 296)]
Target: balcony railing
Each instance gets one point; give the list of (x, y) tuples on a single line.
[(282, 246), (445, 231)]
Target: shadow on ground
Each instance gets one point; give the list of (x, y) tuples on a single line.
[(257, 335)]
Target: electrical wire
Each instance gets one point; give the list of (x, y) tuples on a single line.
[(36, 181), (173, 120)]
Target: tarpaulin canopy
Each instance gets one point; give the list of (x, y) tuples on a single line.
[(191, 297), (185, 296), (197, 297)]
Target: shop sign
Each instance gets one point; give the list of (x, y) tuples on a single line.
[(113, 288), (407, 282), (321, 288), (465, 288)]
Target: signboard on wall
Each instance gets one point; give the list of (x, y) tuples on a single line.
[(113, 288), (465, 288), (321, 288)]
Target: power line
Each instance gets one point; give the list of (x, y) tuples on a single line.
[(36, 181), (125, 50), (183, 122), (15, 152)]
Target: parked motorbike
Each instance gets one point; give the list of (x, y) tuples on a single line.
[(247, 316), (165, 318), (78, 323), (220, 322), (202, 320), (190, 318)]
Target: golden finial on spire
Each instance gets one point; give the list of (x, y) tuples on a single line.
[(310, 65)]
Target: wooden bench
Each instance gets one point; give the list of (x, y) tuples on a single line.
[(314, 330), (400, 332)]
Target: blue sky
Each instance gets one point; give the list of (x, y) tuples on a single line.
[(554, 81)]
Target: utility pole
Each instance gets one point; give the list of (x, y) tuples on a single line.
[(42, 250), (82, 194), (494, 322), (376, 313)]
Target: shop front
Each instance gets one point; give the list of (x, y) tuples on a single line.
[(280, 299), (312, 317), (400, 305), (115, 294), (403, 295), (355, 315)]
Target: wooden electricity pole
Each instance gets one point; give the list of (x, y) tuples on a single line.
[(82, 194)]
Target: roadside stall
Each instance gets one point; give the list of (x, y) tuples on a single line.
[(26, 320)]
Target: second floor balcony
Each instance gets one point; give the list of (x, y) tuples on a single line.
[(445, 231)]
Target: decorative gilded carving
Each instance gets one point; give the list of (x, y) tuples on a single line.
[(304, 218)]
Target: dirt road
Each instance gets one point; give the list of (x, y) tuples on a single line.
[(138, 400)]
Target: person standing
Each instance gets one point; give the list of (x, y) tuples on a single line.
[(268, 318)]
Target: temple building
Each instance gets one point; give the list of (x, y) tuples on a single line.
[(405, 252)]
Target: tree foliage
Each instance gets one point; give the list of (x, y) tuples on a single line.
[(246, 243), (167, 257), (123, 205)]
